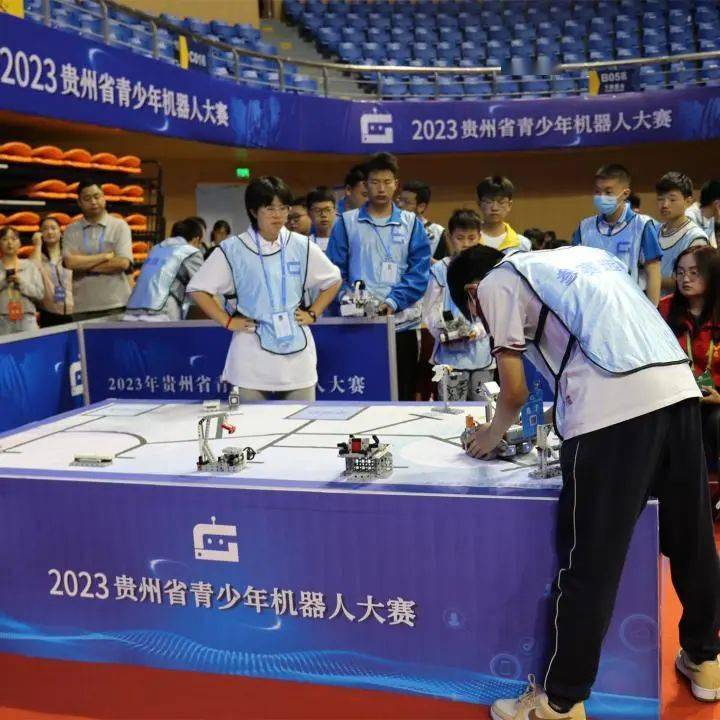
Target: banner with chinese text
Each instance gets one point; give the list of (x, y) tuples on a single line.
[(56, 74), (185, 360), (366, 590)]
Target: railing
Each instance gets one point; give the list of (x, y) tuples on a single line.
[(331, 79)]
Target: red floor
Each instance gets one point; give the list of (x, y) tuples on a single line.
[(52, 690)]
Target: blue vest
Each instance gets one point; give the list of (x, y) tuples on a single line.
[(590, 292), (470, 355), (366, 252), (624, 245), (258, 302), (670, 255), (159, 272)]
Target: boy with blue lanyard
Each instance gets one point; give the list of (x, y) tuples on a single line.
[(626, 407), (677, 232), (470, 355), (388, 249), (268, 269), (630, 236)]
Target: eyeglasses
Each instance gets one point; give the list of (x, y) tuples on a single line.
[(691, 274), (323, 211), (276, 209)]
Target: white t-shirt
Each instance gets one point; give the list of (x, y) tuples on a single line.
[(247, 364), (321, 242), (588, 398), (495, 241)]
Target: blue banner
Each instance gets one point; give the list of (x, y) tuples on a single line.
[(185, 360), (40, 376), (366, 590), (49, 72)]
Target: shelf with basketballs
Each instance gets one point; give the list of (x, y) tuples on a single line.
[(36, 182)]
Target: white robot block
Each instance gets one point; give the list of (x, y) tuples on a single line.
[(366, 458)]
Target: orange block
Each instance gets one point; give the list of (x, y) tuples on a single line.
[(16, 152), (136, 221), (77, 157), (104, 161), (47, 155), (48, 189), (129, 164), (62, 218)]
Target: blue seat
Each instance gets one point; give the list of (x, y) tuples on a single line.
[(424, 52), (378, 35), (399, 51), (680, 48), (574, 29), (349, 53), (710, 72), (545, 64), (451, 35), (195, 25), (626, 40), (627, 53), (533, 85), (174, 19), (598, 55), (681, 73), (352, 35), (550, 30), (447, 51), (522, 48), (265, 48), (328, 40), (709, 45), (523, 31), (474, 34), (546, 46), (477, 86), (655, 50), (563, 85), (497, 49), (597, 41), (392, 88), (521, 66), (506, 86), (706, 30), (573, 57), (372, 51), (449, 88), (499, 33), (119, 34), (652, 81), (653, 20)]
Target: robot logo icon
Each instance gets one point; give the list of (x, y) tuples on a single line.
[(376, 128), (208, 535)]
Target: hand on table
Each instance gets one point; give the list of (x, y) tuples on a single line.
[(482, 443)]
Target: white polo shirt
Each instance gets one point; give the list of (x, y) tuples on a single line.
[(588, 398), (247, 364)]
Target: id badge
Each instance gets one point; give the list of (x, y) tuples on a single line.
[(60, 294), (705, 380), (389, 272), (281, 326), (15, 311)]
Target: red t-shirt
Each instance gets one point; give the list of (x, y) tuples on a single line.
[(700, 339)]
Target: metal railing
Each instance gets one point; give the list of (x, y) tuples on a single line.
[(333, 79)]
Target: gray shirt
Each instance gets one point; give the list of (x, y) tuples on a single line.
[(99, 291)]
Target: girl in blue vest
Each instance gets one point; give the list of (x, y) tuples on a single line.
[(627, 408), (471, 356), (268, 269)]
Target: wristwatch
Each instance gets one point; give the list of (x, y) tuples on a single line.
[(312, 314)]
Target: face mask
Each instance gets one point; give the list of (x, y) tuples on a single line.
[(605, 204)]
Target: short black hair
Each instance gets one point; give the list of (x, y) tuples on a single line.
[(421, 190), (536, 236), (464, 220), (261, 191), (320, 194), (634, 201), (86, 183), (382, 161), (200, 220), (709, 193), (189, 228), (495, 186), (222, 225), (299, 200), (674, 180), (470, 266), (614, 171), (356, 174)]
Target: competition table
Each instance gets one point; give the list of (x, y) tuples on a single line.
[(434, 581)]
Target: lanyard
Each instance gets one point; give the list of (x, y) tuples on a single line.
[(101, 241), (283, 291), (710, 353), (388, 254)]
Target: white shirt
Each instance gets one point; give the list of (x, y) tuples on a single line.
[(322, 242), (432, 310), (694, 212), (588, 398), (495, 241), (247, 364)]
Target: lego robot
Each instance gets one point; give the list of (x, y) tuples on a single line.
[(548, 457), (514, 443), (366, 458), (232, 459), (455, 329), (359, 303), (452, 384)]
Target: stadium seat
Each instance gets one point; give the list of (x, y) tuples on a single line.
[(681, 73), (421, 86), (477, 86)]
